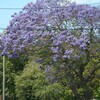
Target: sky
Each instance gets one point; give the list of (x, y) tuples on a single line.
[(5, 14)]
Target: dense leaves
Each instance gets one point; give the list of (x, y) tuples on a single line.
[(35, 86), (39, 20), (62, 37), (13, 67)]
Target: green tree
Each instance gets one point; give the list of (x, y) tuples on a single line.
[(32, 84), (12, 68)]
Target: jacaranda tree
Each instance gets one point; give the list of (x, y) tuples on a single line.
[(66, 34)]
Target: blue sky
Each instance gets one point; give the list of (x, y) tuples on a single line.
[(5, 15)]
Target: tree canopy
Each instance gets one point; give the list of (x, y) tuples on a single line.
[(63, 36)]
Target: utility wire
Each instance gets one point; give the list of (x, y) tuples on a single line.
[(4, 8), (2, 28), (10, 8)]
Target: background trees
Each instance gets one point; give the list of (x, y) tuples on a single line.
[(63, 39)]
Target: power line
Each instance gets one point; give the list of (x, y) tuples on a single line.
[(10, 8), (2, 28), (4, 8)]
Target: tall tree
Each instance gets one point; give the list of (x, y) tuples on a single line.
[(66, 35)]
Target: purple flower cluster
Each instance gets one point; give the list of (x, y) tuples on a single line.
[(67, 26), (67, 45)]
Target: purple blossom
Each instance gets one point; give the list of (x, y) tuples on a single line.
[(68, 52), (58, 43), (36, 24), (10, 56), (76, 56), (64, 56), (83, 46), (55, 57), (61, 37), (74, 43), (70, 38)]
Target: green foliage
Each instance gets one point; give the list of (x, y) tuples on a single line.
[(32, 85), (97, 94), (28, 81), (1, 75), (9, 75), (13, 67), (55, 92)]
